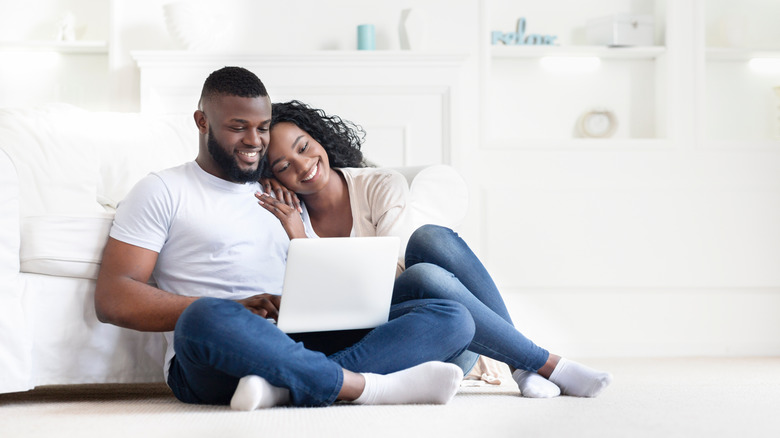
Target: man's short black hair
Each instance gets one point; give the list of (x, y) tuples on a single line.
[(232, 81)]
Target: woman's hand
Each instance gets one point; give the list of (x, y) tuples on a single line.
[(282, 193), (289, 216), (265, 305)]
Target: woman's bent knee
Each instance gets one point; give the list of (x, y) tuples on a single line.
[(422, 281), (429, 234), (456, 325)]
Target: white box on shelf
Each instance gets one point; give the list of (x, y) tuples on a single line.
[(621, 30)]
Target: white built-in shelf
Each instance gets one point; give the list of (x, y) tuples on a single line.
[(532, 51), (322, 57), (75, 47), (574, 144), (730, 54)]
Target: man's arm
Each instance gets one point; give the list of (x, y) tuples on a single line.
[(123, 297)]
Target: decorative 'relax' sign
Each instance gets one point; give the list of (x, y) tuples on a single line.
[(520, 38)]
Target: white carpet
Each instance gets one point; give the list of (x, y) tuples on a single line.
[(649, 397)]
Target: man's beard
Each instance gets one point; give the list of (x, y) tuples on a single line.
[(229, 164)]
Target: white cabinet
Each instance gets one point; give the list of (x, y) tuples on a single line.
[(710, 77), (740, 96), (535, 95)]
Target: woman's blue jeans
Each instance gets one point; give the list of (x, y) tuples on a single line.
[(219, 341), (439, 264)]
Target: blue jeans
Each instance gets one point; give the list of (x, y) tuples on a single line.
[(439, 264), (219, 341)]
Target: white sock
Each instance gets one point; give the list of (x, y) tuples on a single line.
[(427, 383), (578, 380), (533, 385), (254, 392)]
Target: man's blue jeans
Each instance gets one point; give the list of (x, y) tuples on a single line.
[(439, 264), (219, 341)]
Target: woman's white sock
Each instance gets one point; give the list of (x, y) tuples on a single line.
[(427, 383), (578, 380), (533, 385), (254, 392)]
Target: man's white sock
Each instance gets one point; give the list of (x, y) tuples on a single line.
[(533, 385), (578, 380), (427, 383), (254, 392)]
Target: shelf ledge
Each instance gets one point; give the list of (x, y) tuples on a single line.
[(519, 52), (730, 54), (577, 144), (83, 47), (339, 58)]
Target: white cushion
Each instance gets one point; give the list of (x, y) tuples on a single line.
[(144, 144), (68, 246), (438, 194), (53, 151)]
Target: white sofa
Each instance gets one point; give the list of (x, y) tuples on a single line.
[(62, 172)]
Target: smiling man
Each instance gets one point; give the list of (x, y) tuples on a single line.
[(235, 126), (218, 261)]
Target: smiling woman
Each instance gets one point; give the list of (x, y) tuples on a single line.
[(311, 153)]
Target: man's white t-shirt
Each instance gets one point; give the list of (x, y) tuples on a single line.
[(212, 237)]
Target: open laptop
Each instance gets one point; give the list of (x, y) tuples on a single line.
[(338, 283)]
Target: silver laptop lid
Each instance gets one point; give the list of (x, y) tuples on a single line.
[(338, 283)]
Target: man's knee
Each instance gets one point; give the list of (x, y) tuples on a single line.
[(200, 312)]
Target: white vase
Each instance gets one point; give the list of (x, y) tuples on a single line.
[(412, 29), (196, 24)]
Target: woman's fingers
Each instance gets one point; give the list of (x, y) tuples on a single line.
[(273, 205)]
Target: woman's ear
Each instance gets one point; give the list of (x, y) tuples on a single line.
[(201, 122)]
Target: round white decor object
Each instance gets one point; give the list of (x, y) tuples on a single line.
[(597, 123)]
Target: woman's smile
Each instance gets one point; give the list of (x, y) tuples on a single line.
[(314, 171)]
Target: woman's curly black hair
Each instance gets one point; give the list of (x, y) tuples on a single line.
[(340, 138)]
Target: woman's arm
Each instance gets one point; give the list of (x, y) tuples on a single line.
[(285, 206), (387, 198)]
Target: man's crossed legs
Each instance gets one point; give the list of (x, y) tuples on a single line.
[(219, 342)]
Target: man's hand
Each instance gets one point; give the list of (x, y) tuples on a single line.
[(265, 305)]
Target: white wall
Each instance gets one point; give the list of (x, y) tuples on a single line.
[(664, 247), (34, 77)]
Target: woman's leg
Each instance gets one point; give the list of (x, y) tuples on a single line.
[(444, 248), (494, 336)]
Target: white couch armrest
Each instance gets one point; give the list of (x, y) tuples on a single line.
[(9, 217), (15, 338), (438, 194)]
